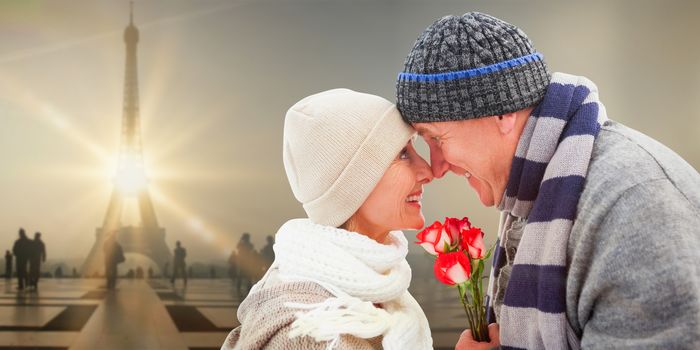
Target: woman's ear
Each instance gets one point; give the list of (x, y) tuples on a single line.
[(506, 122)]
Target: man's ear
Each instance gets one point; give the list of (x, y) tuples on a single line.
[(506, 122)]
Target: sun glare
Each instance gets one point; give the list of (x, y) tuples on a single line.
[(131, 177)]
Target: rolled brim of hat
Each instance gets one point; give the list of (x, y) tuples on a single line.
[(499, 92), (362, 174)]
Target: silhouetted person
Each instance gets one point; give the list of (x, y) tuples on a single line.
[(75, 273), (114, 255), (22, 250), (179, 266), (139, 272), (58, 273), (8, 264), (233, 266), (247, 265), (150, 272), (166, 269), (38, 255), (267, 253)]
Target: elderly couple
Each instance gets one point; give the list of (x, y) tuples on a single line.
[(599, 238)]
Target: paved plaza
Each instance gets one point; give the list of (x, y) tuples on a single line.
[(151, 314)]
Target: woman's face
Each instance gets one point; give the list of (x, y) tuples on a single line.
[(395, 203)]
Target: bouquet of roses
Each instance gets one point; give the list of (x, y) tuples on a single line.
[(459, 254)]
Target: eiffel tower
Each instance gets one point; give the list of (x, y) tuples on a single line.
[(146, 238)]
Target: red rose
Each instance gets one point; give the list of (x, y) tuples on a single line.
[(464, 224), (434, 237), (452, 268), (473, 242), (453, 227)]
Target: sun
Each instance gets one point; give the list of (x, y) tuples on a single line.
[(131, 176)]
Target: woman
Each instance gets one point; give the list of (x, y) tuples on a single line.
[(340, 277)]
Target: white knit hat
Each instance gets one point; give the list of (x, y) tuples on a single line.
[(337, 146)]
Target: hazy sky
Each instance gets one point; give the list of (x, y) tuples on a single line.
[(216, 78)]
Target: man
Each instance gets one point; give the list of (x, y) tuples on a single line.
[(22, 250), (37, 256), (268, 253), (8, 265), (166, 269), (233, 266), (598, 239), (179, 266), (248, 266), (114, 255)]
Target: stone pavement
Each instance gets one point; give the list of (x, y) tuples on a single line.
[(152, 314)]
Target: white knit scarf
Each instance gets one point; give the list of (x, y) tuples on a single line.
[(359, 272)]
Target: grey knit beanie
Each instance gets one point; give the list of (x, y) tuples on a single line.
[(470, 66)]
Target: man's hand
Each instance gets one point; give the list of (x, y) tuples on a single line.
[(466, 342)]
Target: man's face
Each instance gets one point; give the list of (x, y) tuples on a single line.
[(472, 149)]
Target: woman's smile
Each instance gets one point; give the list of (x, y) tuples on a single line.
[(414, 199)]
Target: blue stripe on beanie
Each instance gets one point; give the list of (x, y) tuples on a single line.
[(470, 73)]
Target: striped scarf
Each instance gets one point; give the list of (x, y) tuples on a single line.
[(546, 180)]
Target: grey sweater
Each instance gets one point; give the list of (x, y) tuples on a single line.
[(634, 250)]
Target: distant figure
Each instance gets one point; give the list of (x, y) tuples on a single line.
[(114, 255), (150, 272), (233, 266), (130, 274), (75, 273), (58, 273), (139, 272), (38, 255), (22, 250), (267, 253), (247, 265), (166, 269), (179, 266), (8, 264)]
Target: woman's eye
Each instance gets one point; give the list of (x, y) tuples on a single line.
[(403, 154)]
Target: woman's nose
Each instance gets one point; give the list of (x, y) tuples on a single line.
[(423, 173)]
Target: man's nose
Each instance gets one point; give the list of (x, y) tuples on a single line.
[(438, 165)]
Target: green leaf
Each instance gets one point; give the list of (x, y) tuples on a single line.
[(480, 268), (488, 252)]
